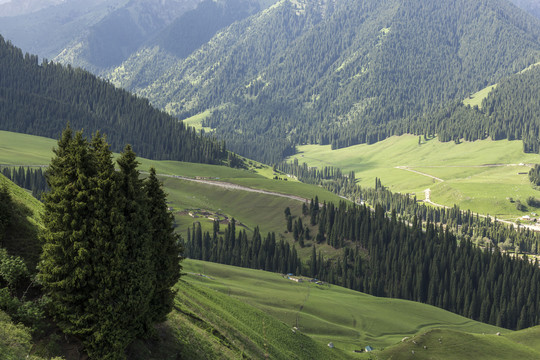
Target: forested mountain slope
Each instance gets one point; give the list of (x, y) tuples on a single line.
[(510, 111), (178, 40), (341, 71), (39, 99)]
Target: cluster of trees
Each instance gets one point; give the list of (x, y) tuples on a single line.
[(39, 99), (313, 175), (29, 178), (237, 249), (391, 257), (385, 256), (510, 111), (110, 255), (464, 224), (534, 175)]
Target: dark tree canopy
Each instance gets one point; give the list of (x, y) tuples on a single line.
[(110, 255)]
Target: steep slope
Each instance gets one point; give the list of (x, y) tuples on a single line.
[(19, 235), (114, 38), (511, 110), (339, 71), (39, 99), (178, 40)]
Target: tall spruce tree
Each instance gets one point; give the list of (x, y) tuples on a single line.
[(166, 248), (66, 266), (102, 246)]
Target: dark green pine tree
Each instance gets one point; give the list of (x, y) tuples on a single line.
[(135, 248), (166, 249), (66, 270), (102, 264), (107, 339)]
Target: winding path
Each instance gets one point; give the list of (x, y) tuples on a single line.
[(427, 192)]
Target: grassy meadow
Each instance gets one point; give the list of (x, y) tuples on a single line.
[(450, 344), (329, 313), (470, 180)]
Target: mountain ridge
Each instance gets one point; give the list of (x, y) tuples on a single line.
[(340, 72)]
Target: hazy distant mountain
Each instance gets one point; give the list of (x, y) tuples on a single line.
[(116, 36), (340, 72), (93, 34), (21, 7), (47, 32), (531, 6), (186, 34)]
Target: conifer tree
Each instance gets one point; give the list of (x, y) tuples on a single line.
[(110, 255), (166, 248), (65, 269)]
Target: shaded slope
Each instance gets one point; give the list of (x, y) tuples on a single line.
[(116, 36), (511, 110), (20, 234)]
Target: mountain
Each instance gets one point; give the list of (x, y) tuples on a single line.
[(114, 38), (339, 72), (511, 110), (531, 6), (39, 99), (93, 34), (47, 32), (180, 39), (21, 7)]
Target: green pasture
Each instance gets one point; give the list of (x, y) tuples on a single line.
[(251, 209), (449, 344), (196, 121), (329, 313), (21, 149), (476, 98), (207, 324), (469, 179)]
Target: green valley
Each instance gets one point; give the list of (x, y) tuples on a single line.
[(480, 175)]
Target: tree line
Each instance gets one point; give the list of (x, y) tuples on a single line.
[(30, 178)]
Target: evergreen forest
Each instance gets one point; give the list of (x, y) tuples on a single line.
[(39, 99)]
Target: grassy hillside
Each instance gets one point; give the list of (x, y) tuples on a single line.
[(469, 179), (450, 344), (21, 236), (328, 313), (208, 324), (251, 209)]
